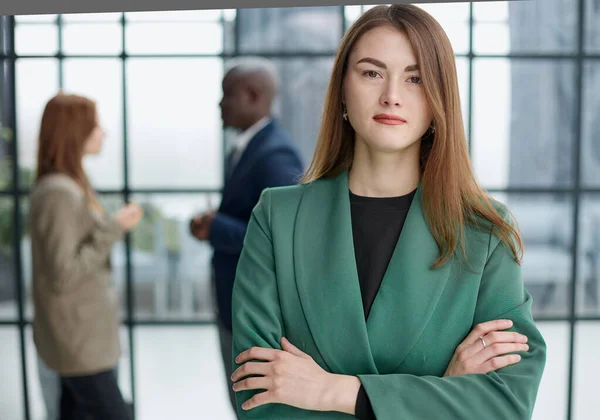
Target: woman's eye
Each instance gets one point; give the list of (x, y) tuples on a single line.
[(371, 73), (415, 79)]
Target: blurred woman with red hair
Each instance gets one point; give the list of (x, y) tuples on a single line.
[(76, 322)]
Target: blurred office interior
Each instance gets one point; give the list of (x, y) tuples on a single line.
[(530, 84)]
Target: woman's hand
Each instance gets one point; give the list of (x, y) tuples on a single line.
[(129, 216), (292, 377), (486, 349)]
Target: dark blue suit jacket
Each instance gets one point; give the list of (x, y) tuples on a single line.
[(271, 159)]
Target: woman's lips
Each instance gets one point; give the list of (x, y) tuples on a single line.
[(389, 119)]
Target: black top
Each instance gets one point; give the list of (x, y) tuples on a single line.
[(376, 227)]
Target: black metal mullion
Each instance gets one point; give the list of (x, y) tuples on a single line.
[(223, 67), (205, 322), (60, 55), (129, 320), (576, 203), (8, 25), (296, 54), (236, 33)]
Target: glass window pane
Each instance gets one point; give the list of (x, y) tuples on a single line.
[(454, 18), (7, 160), (36, 18), (351, 13), (102, 81), (551, 402), (462, 71), (587, 370), (40, 381), (229, 37), (496, 11), (34, 39), (491, 28), (540, 27), (188, 349), (91, 17), (8, 284), (545, 223), (36, 82), (588, 276), (455, 12), (11, 391), (300, 104), (229, 14), (111, 203), (26, 265), (92, 38), (590, 155), (175, 15), (174, 38), (159, 385), (174, 129), (291, 29), (171, 268), (523, 115), (491, 38), (124, 367), (592, 26)]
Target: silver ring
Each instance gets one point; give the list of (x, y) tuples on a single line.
[(482, 342)]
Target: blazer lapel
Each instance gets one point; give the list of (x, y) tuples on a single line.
[(327, 278), (328, 286), (237, 173), (409, 292)]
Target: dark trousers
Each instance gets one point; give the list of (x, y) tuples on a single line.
[(93, 397)]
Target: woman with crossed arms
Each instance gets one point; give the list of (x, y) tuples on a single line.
[(388, 283)]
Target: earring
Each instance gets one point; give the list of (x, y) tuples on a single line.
[(344, 112), (431, 130)]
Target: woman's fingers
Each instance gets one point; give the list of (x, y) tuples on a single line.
[(250, 368), (253, 383), (498, 349), (499, 363), (486, 328), (491, 339), (262, 398), (257, 353)]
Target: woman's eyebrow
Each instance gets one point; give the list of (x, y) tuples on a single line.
[(381, 64), (373, 61)]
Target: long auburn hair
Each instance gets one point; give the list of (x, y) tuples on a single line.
[(451, 194), (67, 122)]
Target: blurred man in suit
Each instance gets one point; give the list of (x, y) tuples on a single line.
[(263, 156)]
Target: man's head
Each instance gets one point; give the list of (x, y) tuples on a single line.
[(249, 87)]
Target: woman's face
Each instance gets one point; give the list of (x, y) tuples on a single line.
[(93, 144), (383, 92)]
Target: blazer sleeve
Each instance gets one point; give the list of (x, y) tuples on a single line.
[(70, 258), (227, 233), (256, 313), (507, 393)]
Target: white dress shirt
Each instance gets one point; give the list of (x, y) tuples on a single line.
[(242, 140)]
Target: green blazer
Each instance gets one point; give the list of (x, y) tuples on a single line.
[(297, 278)]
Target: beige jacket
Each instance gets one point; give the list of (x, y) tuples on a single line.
[(76, 322)]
